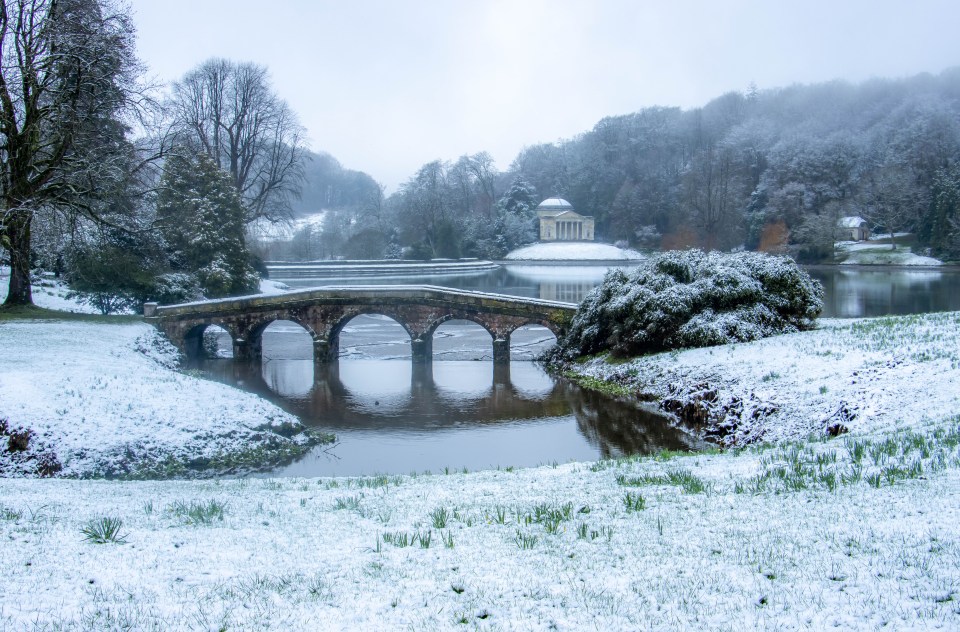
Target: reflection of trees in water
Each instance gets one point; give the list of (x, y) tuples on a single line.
[(620, 428), (868, 293)]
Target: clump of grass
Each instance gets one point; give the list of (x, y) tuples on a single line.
[(348, 502), (525, 541), (196, 512), (103, 530), (686, 480), (447, 539), (440, 516), (499, 516), (584, 532), (634, 502), (402, 539), (372, 482), (6, 513)]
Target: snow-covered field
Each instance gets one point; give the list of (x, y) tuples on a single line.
[(572, 251), (539, 549)]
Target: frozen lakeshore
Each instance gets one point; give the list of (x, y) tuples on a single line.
[(859, 531)]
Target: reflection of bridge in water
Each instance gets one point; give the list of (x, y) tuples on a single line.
[(323, 313), (614, 427)]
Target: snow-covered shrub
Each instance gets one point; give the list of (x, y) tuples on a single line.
[(176, 287), (693, 299)]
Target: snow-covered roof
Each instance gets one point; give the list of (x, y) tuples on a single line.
[(554, 203), (851, 221)]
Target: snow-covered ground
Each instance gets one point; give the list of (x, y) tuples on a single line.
[(273, 287), (868, 375), (104, 399), (874, 253), (572, 251), (858, 532), (49, 294)]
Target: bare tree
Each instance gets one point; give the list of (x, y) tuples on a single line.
[(229, 111), (68, 74)]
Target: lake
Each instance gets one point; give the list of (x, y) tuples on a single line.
[(392, 417)]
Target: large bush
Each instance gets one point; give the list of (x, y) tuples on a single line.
[(693, 299)]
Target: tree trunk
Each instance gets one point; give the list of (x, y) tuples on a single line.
[(17, 231)]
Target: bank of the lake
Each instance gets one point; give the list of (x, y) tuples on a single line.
[(90, 397), (863, 375)]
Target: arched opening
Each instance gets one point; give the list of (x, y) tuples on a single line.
[(217, 342), (286, 340), (530, 341), (208, 342), (458, 339), (286, 365), (371, 337)]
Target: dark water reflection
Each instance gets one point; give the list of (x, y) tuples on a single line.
[(392, 416), (864, 292)]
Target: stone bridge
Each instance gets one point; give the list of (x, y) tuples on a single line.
[(323, 312)]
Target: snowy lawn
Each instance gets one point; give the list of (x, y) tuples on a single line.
[(104, 399), (572, 251), (860, 534)]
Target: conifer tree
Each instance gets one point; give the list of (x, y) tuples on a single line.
[(202, 220)]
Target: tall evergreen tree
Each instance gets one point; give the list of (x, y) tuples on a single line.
[(202, 220)]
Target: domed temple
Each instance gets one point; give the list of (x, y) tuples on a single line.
[(559, 222)]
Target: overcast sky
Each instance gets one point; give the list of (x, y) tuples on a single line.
[(388, 85)]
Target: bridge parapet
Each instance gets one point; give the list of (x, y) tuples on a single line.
[(323, 312)]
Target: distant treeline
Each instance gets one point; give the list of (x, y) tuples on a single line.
[(768, 169)]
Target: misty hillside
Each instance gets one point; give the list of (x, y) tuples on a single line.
[(768, 166), (770, 169), (327, 185)]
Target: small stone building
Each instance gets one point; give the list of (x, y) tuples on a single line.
[(853, 228), (559, 222)]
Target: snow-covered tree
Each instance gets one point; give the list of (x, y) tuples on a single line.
[(202, 220)]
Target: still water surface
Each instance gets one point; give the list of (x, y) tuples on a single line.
[(393, 417)]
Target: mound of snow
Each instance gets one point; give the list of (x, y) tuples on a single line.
[(103, 399), (572, 251)]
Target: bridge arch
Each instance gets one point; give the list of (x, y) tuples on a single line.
[(193, 337), (336, 330), (529, 340), (447, 343), (250, 341)]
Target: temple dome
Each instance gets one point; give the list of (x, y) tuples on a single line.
[(554, 204)]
